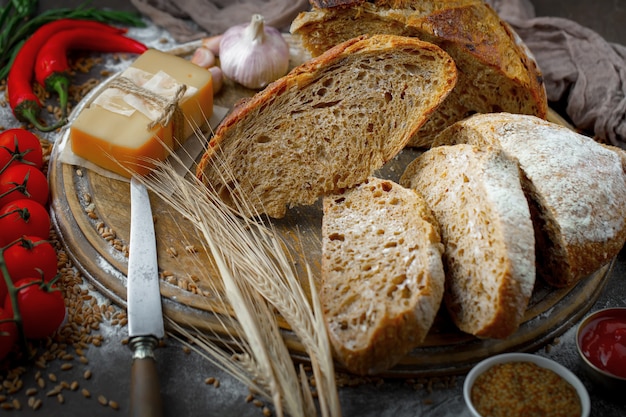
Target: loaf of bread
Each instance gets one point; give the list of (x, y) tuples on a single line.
[(485, 226), (575, 187), (328, 124), (382, 274), (496, 70)]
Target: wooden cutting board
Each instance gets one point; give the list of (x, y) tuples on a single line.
[(91, 216)]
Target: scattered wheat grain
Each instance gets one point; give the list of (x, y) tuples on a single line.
[(37, 404)]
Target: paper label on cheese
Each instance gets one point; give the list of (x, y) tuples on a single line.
[(124, 103)]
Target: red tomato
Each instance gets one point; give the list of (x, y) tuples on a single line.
[(5, 159), (23, 181), (8, 333), (20, 145), (31, 257), (23, 217), (42, 307)]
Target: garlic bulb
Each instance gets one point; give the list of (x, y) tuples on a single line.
[(253, 55)]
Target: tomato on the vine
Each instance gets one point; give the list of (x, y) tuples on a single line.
[(23, 217), (8, 333), (23, 181), (31, 257), (41, 306), (20, 145)]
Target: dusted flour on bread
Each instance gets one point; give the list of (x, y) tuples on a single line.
[(485, 225), (576, 188), (382, 275)]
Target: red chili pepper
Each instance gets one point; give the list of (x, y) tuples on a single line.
[(22, 99), (52, 67)]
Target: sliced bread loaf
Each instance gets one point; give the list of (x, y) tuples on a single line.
[(496, 70), (486, 229), (328, 124), (382, 274), (575, 186)]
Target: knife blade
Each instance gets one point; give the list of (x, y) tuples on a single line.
[(145, 316)]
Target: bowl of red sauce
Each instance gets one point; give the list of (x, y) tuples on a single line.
[(601, 342)]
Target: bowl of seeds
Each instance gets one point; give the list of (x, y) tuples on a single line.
[(523, 384)]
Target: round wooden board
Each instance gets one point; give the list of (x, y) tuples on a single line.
[(91, 214)]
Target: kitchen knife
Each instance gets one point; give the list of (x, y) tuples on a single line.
[(145, 317)]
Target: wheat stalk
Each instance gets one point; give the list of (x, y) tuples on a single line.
[(257, 274)]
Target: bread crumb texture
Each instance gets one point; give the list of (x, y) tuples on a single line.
[(382, 274), (487, 232), (329, 123), (496, 71)]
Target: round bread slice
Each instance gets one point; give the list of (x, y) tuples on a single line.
[(487, 232), (382, 274), (575, 187), (328, 124)]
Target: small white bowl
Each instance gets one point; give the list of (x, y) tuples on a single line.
[(525, 357)]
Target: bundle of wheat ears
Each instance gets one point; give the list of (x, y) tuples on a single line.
[(256, 280)]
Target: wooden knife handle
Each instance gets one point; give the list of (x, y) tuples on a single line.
[(145, 390)]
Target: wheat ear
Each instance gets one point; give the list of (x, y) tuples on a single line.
[(255, 270)]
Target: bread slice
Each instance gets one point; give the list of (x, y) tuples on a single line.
[(575, 187), (329, 123), (486, 229), (496, 70), (382, 274)]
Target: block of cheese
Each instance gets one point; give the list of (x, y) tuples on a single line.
[(118, 142), (197, 108), (124, 128)]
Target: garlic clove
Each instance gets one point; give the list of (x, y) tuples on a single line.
[(212, 44), (254, 55), (203, 57), (218, 79)]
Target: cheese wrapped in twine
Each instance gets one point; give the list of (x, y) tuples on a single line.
[(584, 74), (213, 17), (158, 97)]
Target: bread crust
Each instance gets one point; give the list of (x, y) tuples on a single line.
[(382, 275), (575, 186), (324, 4), (497, 71), (328, 124)]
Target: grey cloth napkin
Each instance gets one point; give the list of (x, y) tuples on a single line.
[(213, 17), (583, 72)]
